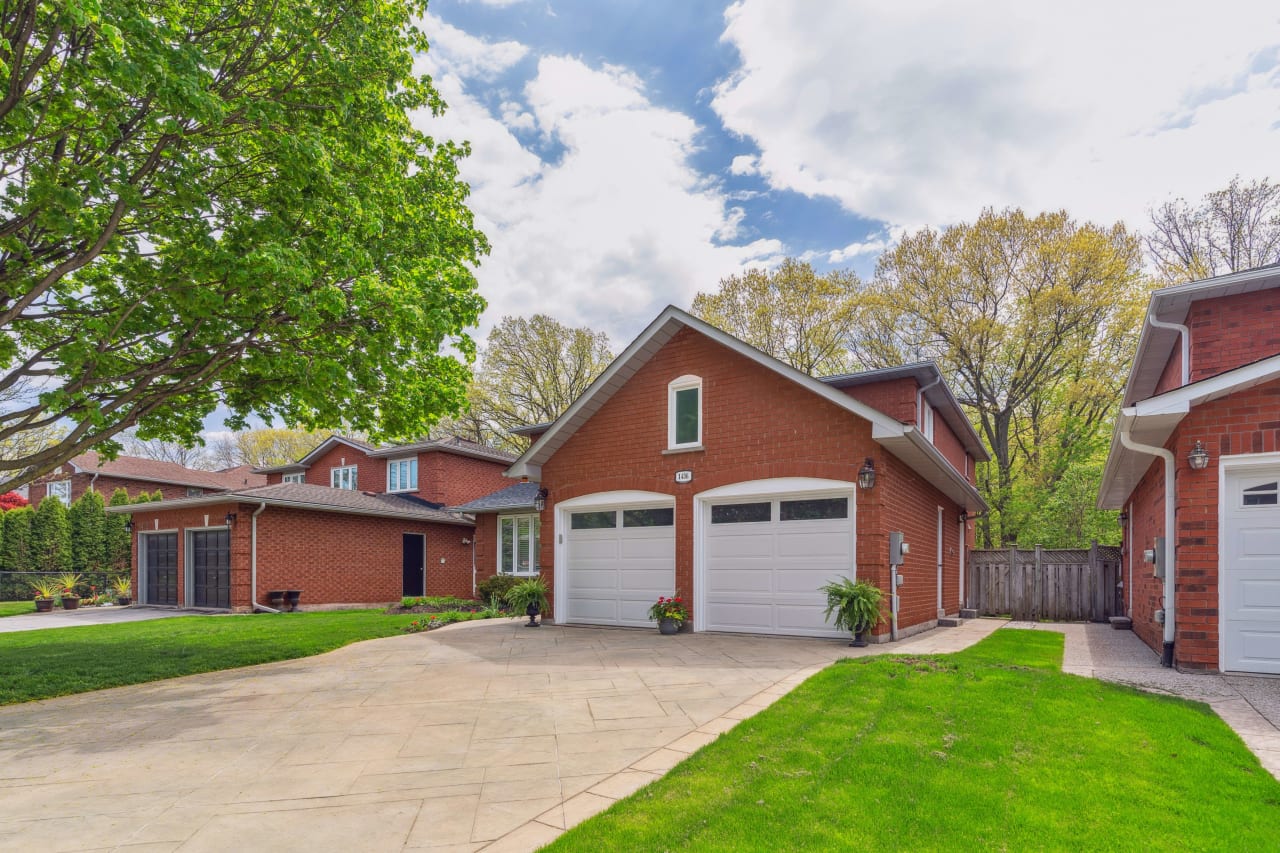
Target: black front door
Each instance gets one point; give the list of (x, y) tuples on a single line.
[(415, 564), (211, 568), (160, 556)]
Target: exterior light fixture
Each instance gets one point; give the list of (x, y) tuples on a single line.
[(230, 519), (964, 516), (128, 526), (867, 475), (1123, 518), (1198, 457), (540, 500)]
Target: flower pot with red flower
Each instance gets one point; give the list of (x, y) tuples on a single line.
[(45, 590), (68, 582), (669, 613)]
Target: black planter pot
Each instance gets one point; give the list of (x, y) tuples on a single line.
[(70, 602), (44, 605), (291, 597), (124, 601), (668, 626), (532, 611), (859, 639), (275, 599)]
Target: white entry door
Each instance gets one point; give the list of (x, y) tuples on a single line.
[(618, 561), (1250, 570), (765, 559)]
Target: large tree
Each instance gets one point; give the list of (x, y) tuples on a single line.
[(791, 313), (1031, 320), (531, 370), (263, 447), (1232, 229), (224, 203)]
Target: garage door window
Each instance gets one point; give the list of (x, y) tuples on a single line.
[(1267, 494), (518, 545), (648, 517), (814, 510), (741, 513), (593, 520)]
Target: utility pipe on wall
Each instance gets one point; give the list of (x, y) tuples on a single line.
[(253, 560), (1185, 334), (1170, 537)]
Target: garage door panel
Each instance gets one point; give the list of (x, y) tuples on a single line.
[(593, 610), (588, 549), (1261, 543), (807, 618), (1257, 598), (646, 548), (739, 615), (646, 580), (595, 580), (742, 545), (614, 574), (1250, 572), (741, 580), (805, 581), (815, 543), (1259, 644)]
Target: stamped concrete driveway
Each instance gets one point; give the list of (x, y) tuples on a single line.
[(479, 735)]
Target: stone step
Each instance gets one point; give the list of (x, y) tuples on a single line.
[(1122, 623), (966, 613), (950, 622)]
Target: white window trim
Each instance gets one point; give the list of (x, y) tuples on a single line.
[(403, 459), (928, 422), (334, 474), (534, 545), (296, 478), (683, 383), (62, 492)]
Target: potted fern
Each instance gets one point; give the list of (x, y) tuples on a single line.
[(855, 606), (531, 597)]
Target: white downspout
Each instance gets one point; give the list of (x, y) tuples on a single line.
[(1129, 541), (920, 404), (1185, 334), (1170, 547), (253, 560)]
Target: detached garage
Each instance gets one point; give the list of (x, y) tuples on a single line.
[(697, 466)]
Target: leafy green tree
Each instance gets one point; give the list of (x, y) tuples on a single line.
[(1031, 319), (232, 204), (1232, 229), (142, 498), (88, 533), (51, 537), (118, 544), (157, 495), (530, 372), (263, 448), (16, 553), (791, 313)]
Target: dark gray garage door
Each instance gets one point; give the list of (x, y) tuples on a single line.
[(160, 555), (211, 568)]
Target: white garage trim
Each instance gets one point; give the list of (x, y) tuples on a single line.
[(597, 500), (770, 489), (1234, 464)]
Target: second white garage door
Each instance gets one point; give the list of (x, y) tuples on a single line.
[(766, 558), (1251, 571), (619, 561)]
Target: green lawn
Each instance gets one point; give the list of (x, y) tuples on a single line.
[(990, 749), (16, 608), (59, 661)]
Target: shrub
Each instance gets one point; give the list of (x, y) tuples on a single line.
[(51, 537), (88, 533), (497, 586), (118, 547), (15, 556)]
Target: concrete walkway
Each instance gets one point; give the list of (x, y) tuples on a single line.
[(481, 735), (1249, 704), (85, 616)]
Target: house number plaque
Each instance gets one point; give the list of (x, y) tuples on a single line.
[(684, 476)]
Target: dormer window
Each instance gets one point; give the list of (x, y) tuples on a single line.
[(684, 413), (343, 478), (927, 420), (402, 475)]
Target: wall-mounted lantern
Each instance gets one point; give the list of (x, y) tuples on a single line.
[(867, 475), (230, 519), (540, 501), (1198, 457)]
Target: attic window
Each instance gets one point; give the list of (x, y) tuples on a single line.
[(1267, 494), (684, 413)]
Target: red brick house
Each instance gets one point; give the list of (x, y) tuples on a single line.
[(349, 523), (695, 464), (1194, 468), (87, 472)]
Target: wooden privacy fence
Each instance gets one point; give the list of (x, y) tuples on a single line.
[(1059, 586)]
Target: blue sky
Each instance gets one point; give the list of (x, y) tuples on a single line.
[(628, 154)]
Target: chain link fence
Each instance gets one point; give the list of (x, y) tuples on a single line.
[(16, 586)]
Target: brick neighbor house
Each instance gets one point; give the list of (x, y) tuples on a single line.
[(88, 472), (695, 464), (1194, 468), (349, 523)]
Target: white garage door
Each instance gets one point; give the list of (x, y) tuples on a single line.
[(1251, 571), (766, 558), (619, 561)]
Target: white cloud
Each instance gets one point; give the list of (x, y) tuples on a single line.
[(615, 224), (744, 164), (925, 113), (467, 56)]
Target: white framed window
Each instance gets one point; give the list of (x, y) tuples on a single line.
[(518, 545), (194, 491), (60, 490), (402, 475), (684, 413), (926, 418), (294, 478), (343, 478)]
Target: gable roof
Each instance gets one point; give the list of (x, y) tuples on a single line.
[(937, 393), (904, 441), (451, 444), (519, 496), (1153, 420), (155, 471), (321, 498), (1171, 305)]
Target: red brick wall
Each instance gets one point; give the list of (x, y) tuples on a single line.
[(486, 535), (756, 425), (371, 476), (334, 558), (451, 479), (1231, 331), (946, 442), (1246, 422), (1171, 378), (106, 485), (895, 397)]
